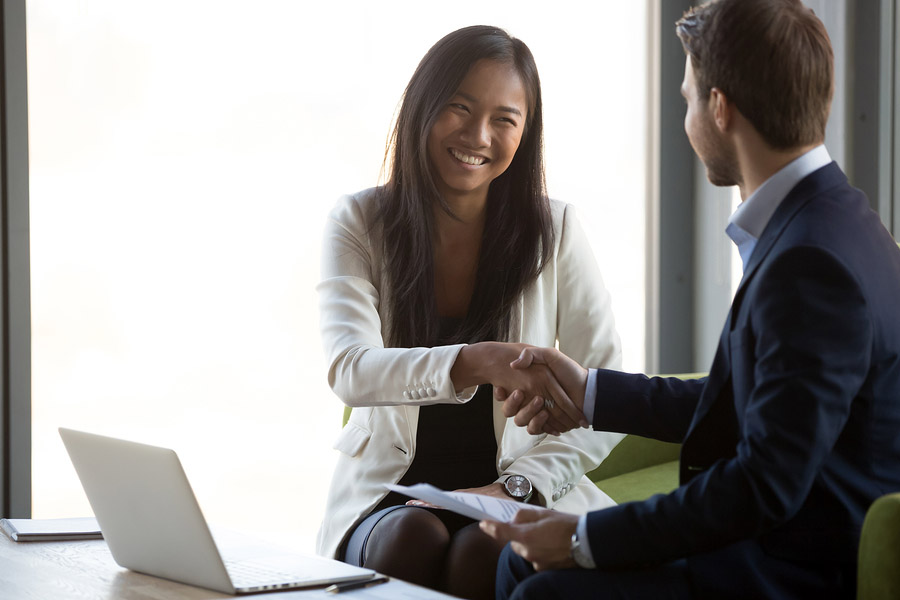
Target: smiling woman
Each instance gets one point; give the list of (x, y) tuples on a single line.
[(183, 158), (431, 285)]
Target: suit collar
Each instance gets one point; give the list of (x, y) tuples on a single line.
[(813, 184)]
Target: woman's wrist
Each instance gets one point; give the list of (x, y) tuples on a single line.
[(475, 363), (462, 373)]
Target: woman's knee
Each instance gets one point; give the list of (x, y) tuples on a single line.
[(410, 543), (471, 544)]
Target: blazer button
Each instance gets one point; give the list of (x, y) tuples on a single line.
[(555, 496), (432, 392), (423, 393), (407, 395), (414, 394)]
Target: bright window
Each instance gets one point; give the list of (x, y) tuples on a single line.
[(183, 157)]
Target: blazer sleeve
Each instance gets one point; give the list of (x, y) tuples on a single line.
[(804, 356), (361, 371), (585, 331)]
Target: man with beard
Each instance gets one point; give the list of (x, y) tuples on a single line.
[(793, 434)]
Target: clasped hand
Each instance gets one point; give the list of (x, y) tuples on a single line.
[(564, 411)]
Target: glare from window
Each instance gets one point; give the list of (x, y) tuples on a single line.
[(183, 157)]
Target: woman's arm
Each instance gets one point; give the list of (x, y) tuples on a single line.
[(362, 372)]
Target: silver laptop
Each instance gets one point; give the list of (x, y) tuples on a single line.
[(152, 523)]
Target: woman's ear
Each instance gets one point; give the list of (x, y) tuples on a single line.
[(722, 109)]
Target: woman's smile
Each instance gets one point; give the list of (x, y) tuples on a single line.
[(469, 159)]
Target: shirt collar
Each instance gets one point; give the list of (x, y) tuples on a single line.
[(754, 213)]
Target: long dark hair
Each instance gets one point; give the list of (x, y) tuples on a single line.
[(518, 233)]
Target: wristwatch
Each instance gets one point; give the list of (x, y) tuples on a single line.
[(579, 555), (518, 487)]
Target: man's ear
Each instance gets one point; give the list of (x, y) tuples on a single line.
[(722, 109)]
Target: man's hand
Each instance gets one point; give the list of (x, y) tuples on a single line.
[(534, 413), (493, 362), (543, 538)]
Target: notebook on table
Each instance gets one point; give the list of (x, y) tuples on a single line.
[(153, 524), (51, 530)]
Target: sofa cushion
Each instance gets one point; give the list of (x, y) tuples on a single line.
[(641, 484)]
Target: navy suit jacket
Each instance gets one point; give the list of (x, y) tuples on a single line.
[(796, 429)]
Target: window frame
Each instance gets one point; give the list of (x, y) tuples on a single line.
[(15, 299)]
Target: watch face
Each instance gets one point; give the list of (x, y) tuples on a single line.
[(518, 486)]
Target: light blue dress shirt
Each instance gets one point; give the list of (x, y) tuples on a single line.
[(745, 226), (753, 214)]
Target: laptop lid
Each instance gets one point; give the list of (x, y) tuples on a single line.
[(151, 520)]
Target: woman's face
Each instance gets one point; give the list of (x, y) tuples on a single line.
[(477, 133)]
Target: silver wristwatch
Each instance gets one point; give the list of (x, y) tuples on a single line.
[(579, 555), (518, 487)]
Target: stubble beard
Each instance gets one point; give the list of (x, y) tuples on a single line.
[(721, 162)]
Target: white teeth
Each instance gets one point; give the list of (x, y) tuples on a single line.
[(469, 160)]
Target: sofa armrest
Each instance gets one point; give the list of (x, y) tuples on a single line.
[(879, 551), (634, 453)]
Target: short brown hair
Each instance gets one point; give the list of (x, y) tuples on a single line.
[(771, 58)]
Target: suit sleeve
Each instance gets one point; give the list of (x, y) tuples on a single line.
[(803, 357), (361, 371), (655, 407)]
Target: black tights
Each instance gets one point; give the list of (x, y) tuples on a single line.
[(416, 545)]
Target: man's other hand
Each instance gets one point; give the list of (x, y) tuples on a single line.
[(544, 538)]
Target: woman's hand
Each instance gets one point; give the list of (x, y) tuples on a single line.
[(489, 362), (495, 489)]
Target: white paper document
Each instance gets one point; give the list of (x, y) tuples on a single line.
[(474, 506)]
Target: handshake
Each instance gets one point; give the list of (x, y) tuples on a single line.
[(544, 392)]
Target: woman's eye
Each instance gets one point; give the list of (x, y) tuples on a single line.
[(462, 107)]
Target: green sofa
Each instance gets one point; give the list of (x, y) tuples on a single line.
[(637, 468)]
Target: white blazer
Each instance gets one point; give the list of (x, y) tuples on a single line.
[(567, 303)]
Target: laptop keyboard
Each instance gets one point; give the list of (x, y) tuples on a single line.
[(249, 573)]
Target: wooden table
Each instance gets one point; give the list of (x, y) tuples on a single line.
[(76, 570)]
